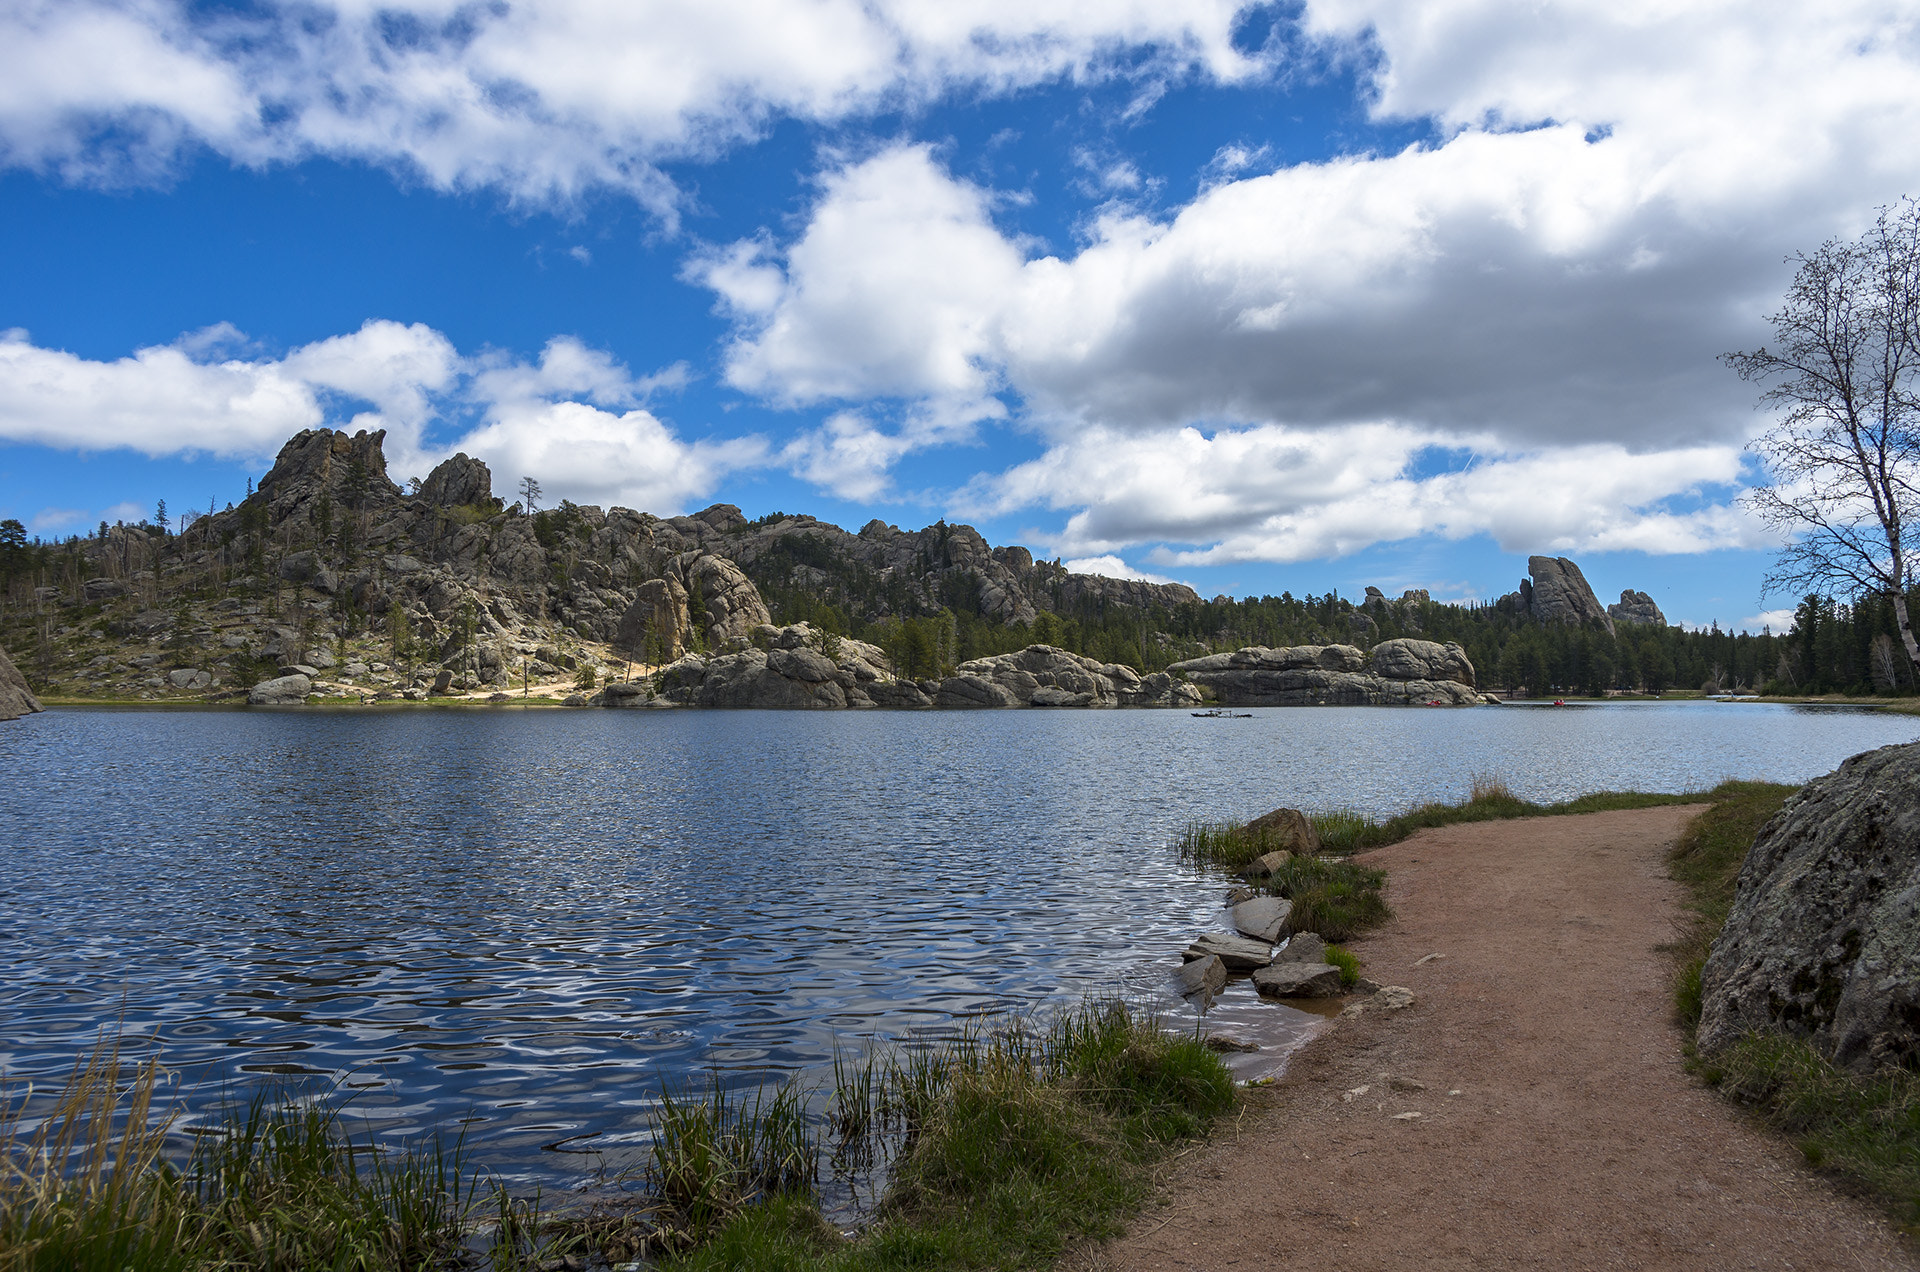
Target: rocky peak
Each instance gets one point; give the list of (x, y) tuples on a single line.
[(458, 482), (349, 470), (722, 517), (1636, 607), (1557, 593)]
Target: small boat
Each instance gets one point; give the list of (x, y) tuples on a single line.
[(1217, 714), (1559, 702)]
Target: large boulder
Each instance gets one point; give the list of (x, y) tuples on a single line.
[(1285, 830), (1408, 672), (1407, 659), (280, 691), (16, 699), (1823, 941)]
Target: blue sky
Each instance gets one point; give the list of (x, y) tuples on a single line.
[(1257, 297)]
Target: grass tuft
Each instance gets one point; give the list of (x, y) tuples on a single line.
[(1347, 961), (716, 1152), (1337, 899)]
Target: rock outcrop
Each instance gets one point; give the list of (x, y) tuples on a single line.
[(1557, 593), (16, 699), (1044, 676), (460, 482), (793, 667), (698, 595), (1636, 607), (1400, 672), (801, 667), (1823, 941)]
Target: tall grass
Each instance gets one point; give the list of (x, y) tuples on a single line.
[(277, 1184), (1003, 1144), (1863, 1128), (999, 1145), (717, 1151)]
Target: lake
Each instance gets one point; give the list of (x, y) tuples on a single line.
[(530, 919)]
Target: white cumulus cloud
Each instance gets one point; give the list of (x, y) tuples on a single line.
[(576, 419), (1548, 283), (538, 98)]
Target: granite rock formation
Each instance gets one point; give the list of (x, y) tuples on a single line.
[(1043, 676), (16, 699), (1399, 672), (1557, 593), (329, 548), (801, 667), (1823, 940), (1636, 607)]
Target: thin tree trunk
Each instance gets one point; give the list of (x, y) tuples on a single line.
[(1906, 626)]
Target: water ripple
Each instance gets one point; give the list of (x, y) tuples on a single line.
[(530, 919)]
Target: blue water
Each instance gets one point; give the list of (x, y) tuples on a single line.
[(529, 919)]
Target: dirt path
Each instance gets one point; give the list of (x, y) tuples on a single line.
[(1557, 1126)]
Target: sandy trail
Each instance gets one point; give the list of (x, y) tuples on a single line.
[(1575, 1139)]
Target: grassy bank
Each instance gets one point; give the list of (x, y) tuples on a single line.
[(999, 1148), (1343, 832), (1866, 1131), (1341, 899)]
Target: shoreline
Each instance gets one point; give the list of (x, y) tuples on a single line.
[(1531, 1108)]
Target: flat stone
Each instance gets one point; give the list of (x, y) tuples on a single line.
[(1305, 947), (1203, 976), (1263, 918), (1298, 980), (1237, 952), (1268, 864), (1227, 1042), (1388, 998)]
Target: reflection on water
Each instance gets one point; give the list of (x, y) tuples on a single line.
[(536, 916)]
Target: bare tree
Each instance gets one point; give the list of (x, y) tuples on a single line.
[(1883, 663), (529, 494), (1844, 456)]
